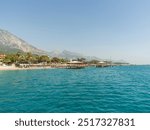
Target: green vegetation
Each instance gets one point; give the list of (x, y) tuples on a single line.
[(93, 62), (26, 59), (29, 58), (58, 60)]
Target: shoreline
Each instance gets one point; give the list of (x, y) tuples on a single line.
[(5, 68)]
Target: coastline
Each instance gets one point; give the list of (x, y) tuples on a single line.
[(4, 68), (34, 67)]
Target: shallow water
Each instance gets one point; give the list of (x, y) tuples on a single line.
[(112, 89)]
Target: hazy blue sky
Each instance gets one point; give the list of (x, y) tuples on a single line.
[(116, 29)]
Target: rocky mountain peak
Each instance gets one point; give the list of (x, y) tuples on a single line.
[(10, 42)]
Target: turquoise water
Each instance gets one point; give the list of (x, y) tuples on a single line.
[(114, 89)]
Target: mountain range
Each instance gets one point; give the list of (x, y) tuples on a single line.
[(10, 43)]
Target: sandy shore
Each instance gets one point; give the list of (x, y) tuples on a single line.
[(16, 68)]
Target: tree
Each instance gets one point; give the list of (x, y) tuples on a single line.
[(81, 59), (9, 59), (44, 58), (55, 60), (94, 62), (64, 60)]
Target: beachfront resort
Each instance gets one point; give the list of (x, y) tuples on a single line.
[(20, 61)]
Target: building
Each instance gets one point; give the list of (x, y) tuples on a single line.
[(76, 65), (104, 64)]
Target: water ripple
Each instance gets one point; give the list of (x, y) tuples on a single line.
[(116, 89)]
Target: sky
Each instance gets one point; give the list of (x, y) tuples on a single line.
[(108, 29)]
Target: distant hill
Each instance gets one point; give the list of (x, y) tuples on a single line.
[(65, 54), (10, 43), (71, 55)]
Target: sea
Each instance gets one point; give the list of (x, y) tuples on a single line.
[(120, 89)]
